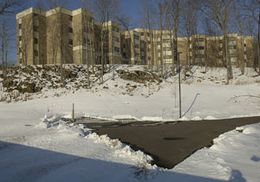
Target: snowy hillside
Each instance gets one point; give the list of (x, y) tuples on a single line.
[(36, 145)]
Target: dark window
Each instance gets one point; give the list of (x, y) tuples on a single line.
[(166, 40), (124, 55), (70, 30), (167, 57), (20, 26), (199, 39), (115, 29), (21, 60), (70, 42), (201, 47), (116, 39), (116, 49), (35, 15), (70, 19), (20, 38), (167, 49), (84, 41), (35, 53), (244, 45), (232, 38), (20, 50), (35, 40), (232, 47), (136, 46), (220, 41), (35, 28), (142, 33), (136, 37)]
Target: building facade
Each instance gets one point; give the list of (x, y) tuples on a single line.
[(72, 37)]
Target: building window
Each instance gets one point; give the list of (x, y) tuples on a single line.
[(199, 39), (20, 50), (232, 47), (70, 18), (70, 42), (167, 49), (166, 41), (244, 45), (20, 26), (35, 28), (20, 38), (35, 53), (136, 46), (115, 29), (136, 37), (21, 60), (232, 38), (116, 39), (70, 30), (167, 57), (35, 40), (142, 33), (116, 49), (201, 47)]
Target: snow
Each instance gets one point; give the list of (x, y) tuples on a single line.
[(37, 145)]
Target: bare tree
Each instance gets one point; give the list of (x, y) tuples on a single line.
[(42, 34), (25, 40), (87, 27), (58, 32), (252, 10), (147, 14), (189, 23), (213, 44), (219, 12), (6, 36), (176, 11), (162, 19), (240, 19), (106, 11), (10, 6)]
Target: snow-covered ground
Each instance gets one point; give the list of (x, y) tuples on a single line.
[(35, 145)]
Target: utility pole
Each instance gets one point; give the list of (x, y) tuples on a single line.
[(179, 70), (258, 45), (73, 114)]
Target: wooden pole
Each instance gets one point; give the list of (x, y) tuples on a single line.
[(72, 115)]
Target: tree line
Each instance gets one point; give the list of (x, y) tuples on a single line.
[(182, 18)]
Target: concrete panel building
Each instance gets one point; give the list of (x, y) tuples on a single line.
[(63, 36)]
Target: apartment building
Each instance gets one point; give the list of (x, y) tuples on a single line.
[(63, 36)]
